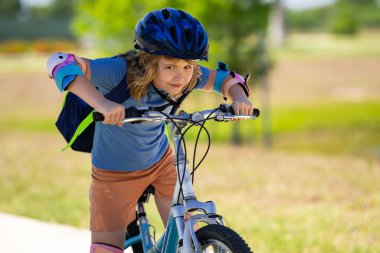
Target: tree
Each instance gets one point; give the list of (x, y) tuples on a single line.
[(348, 16), (233, 26), (277, 24), (111, 23), (9, 8), (62, 8), (239, 27), (344, 20), (56, 9)]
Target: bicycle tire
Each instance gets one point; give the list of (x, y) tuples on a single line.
[(222, 238)]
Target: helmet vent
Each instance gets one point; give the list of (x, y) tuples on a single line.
[(154, 20), (173, 33), (187, 34), (166, 13), (200, 39), (183, 14)]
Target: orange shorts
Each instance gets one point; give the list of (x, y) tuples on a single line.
[(113, 195)]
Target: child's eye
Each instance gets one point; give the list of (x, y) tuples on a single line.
[(188, 67), (170, 67)]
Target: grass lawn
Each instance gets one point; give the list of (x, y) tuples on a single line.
[(279, 202)]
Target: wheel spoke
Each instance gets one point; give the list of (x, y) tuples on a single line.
[(213, 246)]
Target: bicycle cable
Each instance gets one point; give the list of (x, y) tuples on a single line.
[(181, 179), (196, 143), (200, 123), (194, 123), (182, 137)]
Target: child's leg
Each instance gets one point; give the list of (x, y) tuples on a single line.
[(165, 178), (113, 238), (113, 198), (102, 248), (163, 206)]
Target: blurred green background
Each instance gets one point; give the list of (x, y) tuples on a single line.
[(304, 177)]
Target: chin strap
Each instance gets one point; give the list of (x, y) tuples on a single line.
[(175, 103)]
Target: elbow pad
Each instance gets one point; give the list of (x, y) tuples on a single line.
[(63, 69)]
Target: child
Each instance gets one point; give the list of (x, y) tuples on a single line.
[(127, 157)]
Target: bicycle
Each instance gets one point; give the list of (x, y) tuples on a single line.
[(180, 234)]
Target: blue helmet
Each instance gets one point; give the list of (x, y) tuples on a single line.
[(172, 32)]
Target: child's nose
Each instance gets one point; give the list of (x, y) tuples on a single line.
[(179, 75)]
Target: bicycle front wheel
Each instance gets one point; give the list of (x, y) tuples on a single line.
[(217, 238)]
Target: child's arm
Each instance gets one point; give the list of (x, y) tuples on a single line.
[(73, 73), (113, 112), (233, 90)]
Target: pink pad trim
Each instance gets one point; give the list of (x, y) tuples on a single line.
[(238, 79), (70, 60), (95, 246)]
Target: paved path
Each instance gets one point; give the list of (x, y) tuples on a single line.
[(20, 235)]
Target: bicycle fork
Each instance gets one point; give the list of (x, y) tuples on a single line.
[(185, 202), (188, 241)]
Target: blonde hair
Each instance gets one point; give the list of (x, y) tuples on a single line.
[(143, 68)]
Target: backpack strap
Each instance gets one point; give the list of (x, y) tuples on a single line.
[(118, 95), (82, 126)]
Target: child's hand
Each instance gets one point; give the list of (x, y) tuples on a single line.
[(114, 113), (242, 105), (240, 102)]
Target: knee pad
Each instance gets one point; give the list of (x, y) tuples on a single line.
[(102, 248)]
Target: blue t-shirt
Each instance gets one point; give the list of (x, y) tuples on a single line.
[(131, 147)]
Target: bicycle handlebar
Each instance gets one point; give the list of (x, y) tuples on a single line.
[(222, 113)]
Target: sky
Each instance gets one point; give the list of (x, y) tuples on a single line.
[(290, 4)]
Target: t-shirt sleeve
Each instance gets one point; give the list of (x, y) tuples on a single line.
[(205, 72), (106, 73)]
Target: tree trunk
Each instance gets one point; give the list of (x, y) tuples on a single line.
[(236, 134), (277, 24), (265, 94)]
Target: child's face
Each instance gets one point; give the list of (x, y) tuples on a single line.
[(173, 75)]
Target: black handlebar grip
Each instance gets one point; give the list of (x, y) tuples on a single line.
[(132, 112), (256, 112), (129, 113), (97, 116)]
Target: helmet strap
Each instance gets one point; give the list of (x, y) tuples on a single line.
[(175, 103)]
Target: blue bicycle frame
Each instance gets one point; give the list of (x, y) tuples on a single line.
[(184, 201), (179, 235), (167, 243)]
